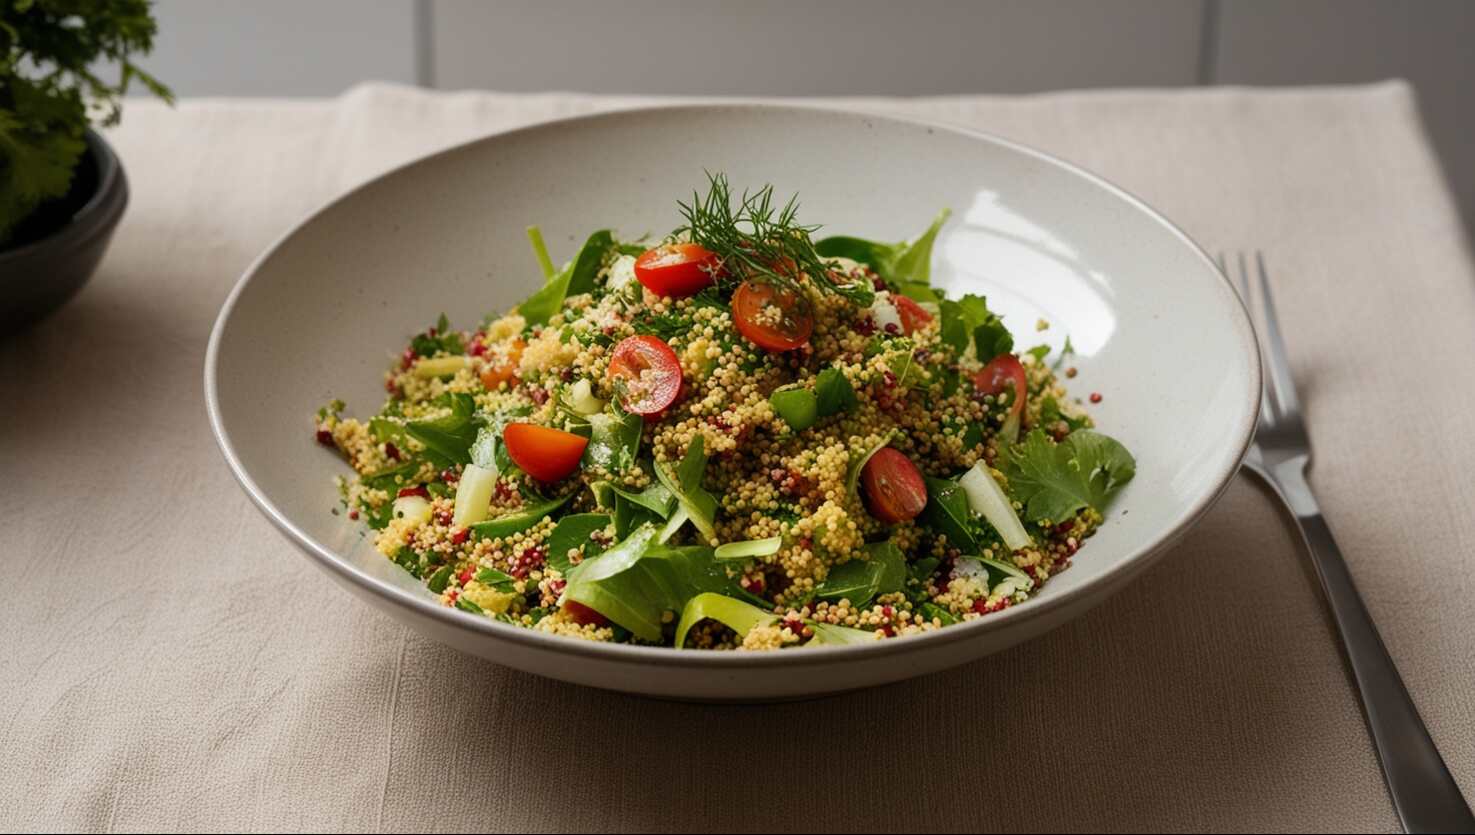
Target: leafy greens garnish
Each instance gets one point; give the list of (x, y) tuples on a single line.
[(907, 264), (575, 278), (758, 240), (969, 321), (448, 439), (1055, 481)]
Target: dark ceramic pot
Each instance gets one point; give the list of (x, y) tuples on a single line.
[(56, 249)]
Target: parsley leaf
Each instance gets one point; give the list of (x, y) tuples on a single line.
[(448, 439), (1056, 481), (968, 320)]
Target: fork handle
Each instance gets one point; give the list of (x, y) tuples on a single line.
[(1424, 793)]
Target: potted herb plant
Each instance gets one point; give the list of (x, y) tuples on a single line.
[(62, 189)]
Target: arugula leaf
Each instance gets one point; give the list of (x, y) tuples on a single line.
[(960, 317), (833, 392), (1039, 352), (571, 532), (438, 581), (637, 581), (907, 262), (1056, 481), (860, 581), (968, 321), (614, 440), (736, 615), (992, 339), (914, 262), (686, 482), (496, 580), (448, 438), (519, 521), (391, 478), (932, 611), (575, 278), (630, 514), (947, 513), (655, 498)]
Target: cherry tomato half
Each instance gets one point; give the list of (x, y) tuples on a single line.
[(894, 488), (1001, 372), (649, 373), (772, 317), (676, 270), (543, 453), (503, 370), (913, 316), (583, 615)]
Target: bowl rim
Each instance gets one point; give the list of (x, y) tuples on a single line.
[(1109, 581)]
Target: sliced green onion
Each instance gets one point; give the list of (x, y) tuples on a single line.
[(748, 548), (988, 499), (540, 250), (736, 615), (828, 634), (432, 367)]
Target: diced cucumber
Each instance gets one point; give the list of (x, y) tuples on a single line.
[(988, 499), (798, 407), (581, 398), (473, 495), (433, 367)]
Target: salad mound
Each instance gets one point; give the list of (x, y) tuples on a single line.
[(741, 436)]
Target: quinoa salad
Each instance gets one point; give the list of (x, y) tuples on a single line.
[(742, 436)]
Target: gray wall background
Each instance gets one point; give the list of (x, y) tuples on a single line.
[(830, 47)]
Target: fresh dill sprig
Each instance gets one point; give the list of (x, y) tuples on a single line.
[(759, 241)]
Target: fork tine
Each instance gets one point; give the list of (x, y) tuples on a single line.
[(1282, 388)]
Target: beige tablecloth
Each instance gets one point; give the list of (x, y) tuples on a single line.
[(170, 661)]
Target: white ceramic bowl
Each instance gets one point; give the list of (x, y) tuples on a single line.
[(1158, 330)]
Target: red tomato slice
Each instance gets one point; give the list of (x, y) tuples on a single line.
[(913, 316), (583, 615), (650, 372), (895, 491), (772, 317), (543, 453), (1001, 372), (676, 270)]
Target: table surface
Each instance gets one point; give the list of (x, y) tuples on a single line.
[(171, 662)]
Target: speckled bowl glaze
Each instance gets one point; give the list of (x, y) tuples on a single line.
[(321, 313)]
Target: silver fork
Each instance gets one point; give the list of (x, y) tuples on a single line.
[(1424, 794)]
